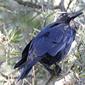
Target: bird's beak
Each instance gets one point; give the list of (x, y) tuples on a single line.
[(76, 14)]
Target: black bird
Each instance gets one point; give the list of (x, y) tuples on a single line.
[(50, 46)]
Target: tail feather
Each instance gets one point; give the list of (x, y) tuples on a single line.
[(19, 63), (28, 66), (26, 70)]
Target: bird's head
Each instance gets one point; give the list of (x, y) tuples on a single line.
[(67, 17)]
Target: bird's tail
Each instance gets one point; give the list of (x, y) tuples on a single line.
[(26, 70), (27, 67), (20, 63)]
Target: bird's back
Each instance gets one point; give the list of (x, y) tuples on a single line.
[(68, 39), (52, 41)]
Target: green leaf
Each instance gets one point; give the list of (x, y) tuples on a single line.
[(15, 35)]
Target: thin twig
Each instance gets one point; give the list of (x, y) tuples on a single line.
[(61, 6), (49, 80), (33, 79), (68, 79), (37, 6), (29, 4), (69, 4)]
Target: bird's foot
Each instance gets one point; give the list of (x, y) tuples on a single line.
[(54, 72)]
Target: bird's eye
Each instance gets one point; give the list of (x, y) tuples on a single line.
[(63, 14)]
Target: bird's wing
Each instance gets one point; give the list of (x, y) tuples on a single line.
[(24, 56), (51, 41)]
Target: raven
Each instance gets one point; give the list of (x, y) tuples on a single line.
[(50, 46)]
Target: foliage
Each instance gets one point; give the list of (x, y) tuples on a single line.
[(19, 23)]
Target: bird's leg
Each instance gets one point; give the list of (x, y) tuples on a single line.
[(57, 69), (52, 73), (48, 69)]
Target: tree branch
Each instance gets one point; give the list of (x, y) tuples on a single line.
[(29, 4), (37, 6), (61, 6), (69, 79), (69, 4)]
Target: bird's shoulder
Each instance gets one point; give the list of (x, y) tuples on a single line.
[(52, 29)]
